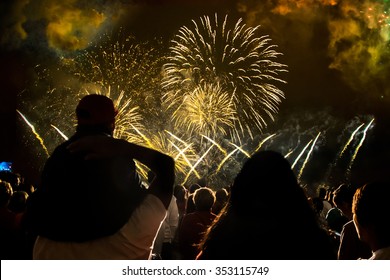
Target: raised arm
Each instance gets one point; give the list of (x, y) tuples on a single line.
[(163, 166)]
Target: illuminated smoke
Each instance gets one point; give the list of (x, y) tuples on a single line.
[(64, 26), (357, 41)]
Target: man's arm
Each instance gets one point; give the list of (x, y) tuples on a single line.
[(163, 166)]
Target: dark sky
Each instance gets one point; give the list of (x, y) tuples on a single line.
[(337, 54)]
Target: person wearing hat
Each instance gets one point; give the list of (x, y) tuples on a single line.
[(91, 203)]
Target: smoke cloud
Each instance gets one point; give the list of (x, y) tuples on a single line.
[(356, 40)]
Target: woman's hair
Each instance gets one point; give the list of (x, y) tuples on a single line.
[(263, 194), (265, 178)]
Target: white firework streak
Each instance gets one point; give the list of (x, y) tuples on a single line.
[(308, 155), (196, 164), (181, 153), (226, 158), (301, 153), (360, 143), (241, 150), (34, 132), (216, 144), (263, 141), (60, 132), (350, 139)]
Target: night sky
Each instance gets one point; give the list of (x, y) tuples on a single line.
[(337, 53)]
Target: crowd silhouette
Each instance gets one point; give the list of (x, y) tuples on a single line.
[(91, 203)]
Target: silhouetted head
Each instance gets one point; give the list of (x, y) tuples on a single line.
[(342, 198), (221, 195), (265, 181), (5, 193), (204, 199), (371, 212), (322, 192), (193, 188), (97, 112), (180, 192), (18, 202)]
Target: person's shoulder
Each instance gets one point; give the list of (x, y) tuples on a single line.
[(381, 254), (151, 199), (326, 204)]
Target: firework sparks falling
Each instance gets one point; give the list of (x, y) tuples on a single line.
[(34, 132), (128, 116), (206, 110), (211, 52), (127, 71)]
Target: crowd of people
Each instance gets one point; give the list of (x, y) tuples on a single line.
[(91, 203)]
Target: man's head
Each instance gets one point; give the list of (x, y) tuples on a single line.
[(342, 198), (96, 111), (371, 214), (5, 193), (204, 199)]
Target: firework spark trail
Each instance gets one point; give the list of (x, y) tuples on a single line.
[(216, 144), (263, 141), (196, 163), (292, 150), (148, 142), (176, 137), (35, 132), (241, 150), (181, 153), (308, 156), (350, 140), (360, 144), (226, 158), (289, 153), (301, 153), (60, 132)]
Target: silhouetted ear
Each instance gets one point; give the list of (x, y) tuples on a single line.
[(112, 128)]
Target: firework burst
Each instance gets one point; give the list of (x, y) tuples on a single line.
[(236, 58), (125, 70), (206, 110)]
